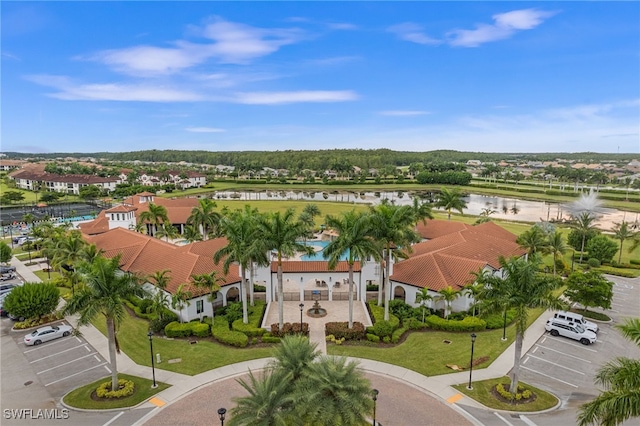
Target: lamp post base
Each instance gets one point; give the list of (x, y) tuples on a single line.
[(469, 387), (154, 386), (504, 339)]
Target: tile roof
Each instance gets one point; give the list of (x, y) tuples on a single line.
[(451, 259), (436, 228), (145, 255), (313, 266), (97, 226)]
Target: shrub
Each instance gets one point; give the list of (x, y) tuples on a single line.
[(377, 312), (32, 300), (373, 338), (397, 334), (268, 338), (177, 329), (521, 393), (230, 337), (593, 262), (249, 329), (289, 328), (157, 325), (386, 339), (602, 248), (400, 309), (126, 388), (340, 330), (634, 262), (496, 321), (200, 329), (382, 328), (415, 324), (467, 324)]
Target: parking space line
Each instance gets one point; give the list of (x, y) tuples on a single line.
[(78, 339), (525, 360), (527, 420), (563, 353), (107, 368), (114, 418), (75, 374), (557, 365), (48, 346), (534, 350), (557, 339), (546, 375), (56, 354), (96, 357), (503, 419), (66, 363), (87, 348)]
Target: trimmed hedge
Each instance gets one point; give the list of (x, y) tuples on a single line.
[(415, 324), (126, 388), (220, 331), (289, 329), (341, 330), (397, 334), (200, 329), (177, 329), (382, 329), (467, 324), (373, 338), (268, 338), (378, 314), (496, 321), (249, 329)]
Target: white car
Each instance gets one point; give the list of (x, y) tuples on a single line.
[(47, 333), (571, 330)]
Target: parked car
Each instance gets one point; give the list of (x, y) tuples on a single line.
[(6, 288), (8, 276), (3, 312), (4, 269), (576, 318), (558, 327), (47, 333)]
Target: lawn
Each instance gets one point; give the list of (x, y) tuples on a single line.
[(426, 353), (481, 392), (81, 397), (196, 358)]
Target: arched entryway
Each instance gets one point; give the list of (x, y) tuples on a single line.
[(399, 294)]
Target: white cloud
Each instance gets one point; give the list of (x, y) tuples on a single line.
[(334, 60), (229, 42), (412, 32), (274, 98), (342, 26), (506, 24), (71, 91), (204, 130), (400, 113)]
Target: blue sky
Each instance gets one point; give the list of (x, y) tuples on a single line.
[(231, 76)]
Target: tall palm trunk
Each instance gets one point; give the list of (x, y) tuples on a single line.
[(381, 283), (387, 285), (515, 373), (111, 335), (582, 248), (350, 295), (243, 296), (251, 289), (280, 297)]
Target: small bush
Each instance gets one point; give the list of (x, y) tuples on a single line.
[(593, 262), (522, 393), (126, 388), (288, 329), (249, 329), (397, 334), (177, 329), (386, 339), (268, 338), (415, 324), (496, 321), (341, 330), (467, 324), (200, 329), (373, 338), (382, 329)]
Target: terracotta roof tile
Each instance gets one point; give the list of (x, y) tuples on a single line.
[(437, 228), (313, 266)]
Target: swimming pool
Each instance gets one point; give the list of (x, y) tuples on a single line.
[(318, 254)]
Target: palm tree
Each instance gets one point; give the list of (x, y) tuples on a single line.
[(333, 392), (312, 211), (421, 211), (167, 231), (473, 291), (622, 232), (180, 299), (635, 242), (191, 234), (90, 253), (621, 379), (205, 218), (521, 288), (391, 227), (279, 233), (451, 200), (556, 246), (353, 240), (105, 289), (447, 295), (584, 224), (68, 256), (160, 300), (534, 240), (211, 283), (295, 355), (269, 401), (422, 298), (155, 216)]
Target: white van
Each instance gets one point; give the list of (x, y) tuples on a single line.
[(576, 318), (571, 330)]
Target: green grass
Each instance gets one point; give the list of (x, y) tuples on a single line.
[(81, 397), (203, 356), (425, 353), (481, 392), (44, 276)]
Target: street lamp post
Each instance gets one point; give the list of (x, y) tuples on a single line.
[(153, 367), (301, 308), (221, 413), (504, 326), (375, 398), (473, 341)]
